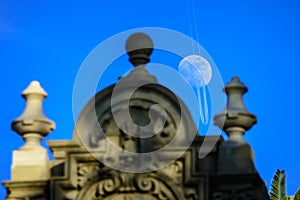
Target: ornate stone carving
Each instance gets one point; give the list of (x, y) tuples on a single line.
[(130, 197), (123, 136), (86, 173), (151, 185), (119, 185), (191, 195), (174, 171)]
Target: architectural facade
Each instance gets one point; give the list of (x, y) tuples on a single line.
[(130, 149)]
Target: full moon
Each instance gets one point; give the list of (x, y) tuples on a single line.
[(196, 70)]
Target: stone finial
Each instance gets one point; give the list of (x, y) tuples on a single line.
[(33, 125), (139, 47), (235, 119), (33, 119), (31, 162)]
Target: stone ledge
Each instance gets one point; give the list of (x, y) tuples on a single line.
[(23, 189)]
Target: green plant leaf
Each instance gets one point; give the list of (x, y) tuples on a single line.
[(277, 191), (297, 195)]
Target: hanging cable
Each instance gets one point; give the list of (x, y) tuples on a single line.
[(190, 24)]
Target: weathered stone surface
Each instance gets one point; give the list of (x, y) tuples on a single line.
[(30, 169), (30, 164)]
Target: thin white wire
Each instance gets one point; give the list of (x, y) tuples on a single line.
[(205, 106), (192, 17), (190, 24), (200, 105)]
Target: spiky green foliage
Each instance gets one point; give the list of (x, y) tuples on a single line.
[(297, 195), (278, 186)]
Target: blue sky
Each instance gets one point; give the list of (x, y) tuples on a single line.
[(256, 40)]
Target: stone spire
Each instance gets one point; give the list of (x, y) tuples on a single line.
[(235, 155), (32, 125), (235, 119), (30, 169)]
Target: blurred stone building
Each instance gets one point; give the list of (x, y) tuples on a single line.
[(130, 149)]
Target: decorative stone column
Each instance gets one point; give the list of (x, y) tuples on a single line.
[(30, 168), (235, 155)]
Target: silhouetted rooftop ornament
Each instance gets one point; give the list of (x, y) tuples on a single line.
[(235, 119), (139, 47), (235, 155)]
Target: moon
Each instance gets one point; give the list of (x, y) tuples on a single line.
[(196, 70)]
